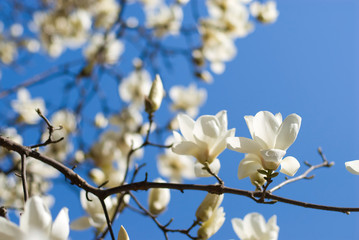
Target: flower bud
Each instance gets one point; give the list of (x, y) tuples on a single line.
[(209, 205), (122, 234), (212, 225), (154, 99), (158, 198)]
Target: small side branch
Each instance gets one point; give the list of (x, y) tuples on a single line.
[(23, 177)]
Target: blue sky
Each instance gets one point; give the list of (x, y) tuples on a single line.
[(305, 63)]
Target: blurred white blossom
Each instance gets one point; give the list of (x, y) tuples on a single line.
[(264, 12), (254, 227), (158, 198), (26, 107)]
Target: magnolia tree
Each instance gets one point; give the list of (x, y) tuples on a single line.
[(109, 123)]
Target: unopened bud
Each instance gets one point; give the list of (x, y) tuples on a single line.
[(158, 198), (154, 99), (122, 234), (210, 204)]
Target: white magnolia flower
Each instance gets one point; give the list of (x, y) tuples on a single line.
[(95, 218), (265, 12), (158, 198), (105, 12), (208, 206), (187, 99), (100, 120), (26, 107), (352, 167), (135, 87), (204, 138), (270, 140), (212, 225), (36, 223), (254, 227), (64, 118)]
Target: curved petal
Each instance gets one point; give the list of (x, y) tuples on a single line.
[(200, 172), (60, 227), (243, 145), (265, 128), (289, 166), (288, 131), (222, 118), (189, 148), (248, 166), (81, 223), (207, 129), (249, 120), (239, 228), (220, 145), (186, 125), (9, 230), (258, 224), (352, 166), (36, 216), (271, 158)]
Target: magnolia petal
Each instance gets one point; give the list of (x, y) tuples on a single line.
[(248, 166), (289, 166), (200, 172), (177, 138), (288, 131), (60, 227), (222, 118), (9, 230), (220, 145), (239, 228), (249, 120), (273, 227), (257, 222), (186, 124), (188, 148), (36, 216), (279, 118), (243, 145), (265, 128), (272, 158), (206, 129), (81, 223), (352, 166)]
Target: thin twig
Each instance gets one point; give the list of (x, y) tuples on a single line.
[(23, 177), (107, 218)]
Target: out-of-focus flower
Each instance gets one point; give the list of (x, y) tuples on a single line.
[(64, 118), (352, 167), (36, 223), (104, 49), (158, 198), (175, 166), (265, 12), (11, 134), (100, 120), (95, 218), (204, 138), (212, 225), (16, 30), (164, 19), (270, 140), (26, 107), (105, 12), (122, 234), (254, 227), (187, 99), (128, 120), (135, 87), (8, 51), (208, 206)]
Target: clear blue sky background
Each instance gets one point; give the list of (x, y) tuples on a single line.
[(305, 63)]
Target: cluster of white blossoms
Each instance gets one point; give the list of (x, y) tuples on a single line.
[(162, 18), (227, 21)]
